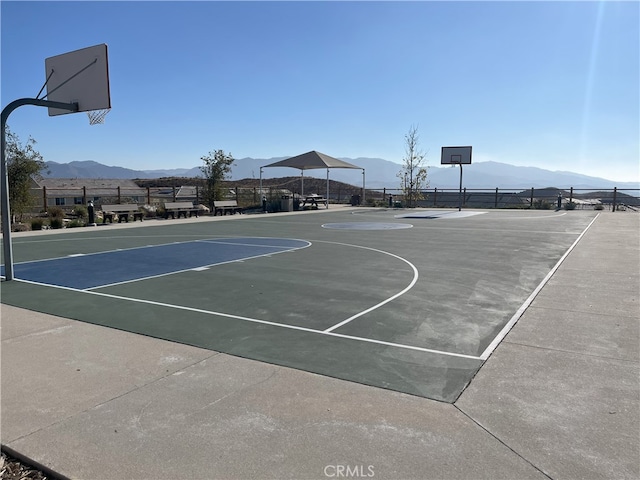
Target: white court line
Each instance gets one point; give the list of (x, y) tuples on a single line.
[(514, 319), (253, 244), (384, 302), (255, 320), (535, 217)]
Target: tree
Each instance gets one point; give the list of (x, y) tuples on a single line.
[(24, 162), (413, 176), (217, 165)]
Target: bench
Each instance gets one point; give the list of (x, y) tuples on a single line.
[(224, 206), (123, 211), (179, 208)]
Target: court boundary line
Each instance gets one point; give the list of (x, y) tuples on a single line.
[(516, 316), (445, 211), (252, 320)]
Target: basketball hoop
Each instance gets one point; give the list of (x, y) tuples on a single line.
[(97, 116)]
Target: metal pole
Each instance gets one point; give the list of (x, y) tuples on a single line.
[(531, 201), (460, 193), (327, 199), (364, 188), (5, 210), (6, 215), (615, 192)]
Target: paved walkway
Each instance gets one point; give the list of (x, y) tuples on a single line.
[(559, 398)]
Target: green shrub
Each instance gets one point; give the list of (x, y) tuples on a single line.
[(56, 222), (37, 223), (570, 206), (55, 212), (75, 223), (81, 211)]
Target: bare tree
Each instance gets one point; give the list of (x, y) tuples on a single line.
[(413, 176)]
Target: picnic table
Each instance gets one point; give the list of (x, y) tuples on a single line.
[(313, 200)]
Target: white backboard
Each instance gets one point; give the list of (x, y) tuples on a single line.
[(455, 155), (81, 77)]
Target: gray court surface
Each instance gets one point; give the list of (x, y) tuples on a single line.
[(416, 309), (557, 398)]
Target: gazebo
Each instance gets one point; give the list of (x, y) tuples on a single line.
[(314, 160)]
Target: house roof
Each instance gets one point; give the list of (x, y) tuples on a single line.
[(94, 186)]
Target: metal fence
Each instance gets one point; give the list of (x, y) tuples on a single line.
[(539, 198), (68, 198)]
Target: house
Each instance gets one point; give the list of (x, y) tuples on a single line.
[(68, 192)]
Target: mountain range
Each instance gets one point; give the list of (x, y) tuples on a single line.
[(378, 173)]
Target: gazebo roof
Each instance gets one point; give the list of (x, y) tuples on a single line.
[(312, 160)]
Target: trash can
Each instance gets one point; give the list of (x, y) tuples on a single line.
[(286, 203), (355, 200)]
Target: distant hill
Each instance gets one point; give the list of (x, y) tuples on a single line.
[(378, 173)]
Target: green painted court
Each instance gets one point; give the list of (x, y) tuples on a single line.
[(408, 300)]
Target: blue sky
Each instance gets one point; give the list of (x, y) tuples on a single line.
[(548, 84)]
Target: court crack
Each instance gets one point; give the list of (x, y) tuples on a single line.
[(582, 354), (497, 439)]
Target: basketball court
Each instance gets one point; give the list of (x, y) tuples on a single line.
[(409, 301), (413, 301)]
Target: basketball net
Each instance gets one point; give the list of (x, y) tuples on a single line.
[(97, 116)]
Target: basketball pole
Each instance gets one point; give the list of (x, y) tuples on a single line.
[(7, 248), (460, 192)]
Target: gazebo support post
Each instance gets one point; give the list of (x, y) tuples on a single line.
[(364, 191), (327, 197)]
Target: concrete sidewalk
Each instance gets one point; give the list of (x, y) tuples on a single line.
[(559, 398)]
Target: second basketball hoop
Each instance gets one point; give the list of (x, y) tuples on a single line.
[(456, 156)]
